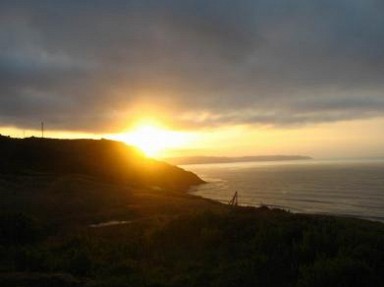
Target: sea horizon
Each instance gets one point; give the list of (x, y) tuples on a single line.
[(342, 187)]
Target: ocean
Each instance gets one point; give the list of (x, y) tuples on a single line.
[(338, 187)]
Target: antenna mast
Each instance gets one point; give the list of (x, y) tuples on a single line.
[(42, 129)]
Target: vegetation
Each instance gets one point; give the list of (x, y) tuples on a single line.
[(49, 237)]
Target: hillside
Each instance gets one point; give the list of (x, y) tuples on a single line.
[(112, 161), (54, 231), (84, 226)]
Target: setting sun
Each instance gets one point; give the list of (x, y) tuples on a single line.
[(153, 139)]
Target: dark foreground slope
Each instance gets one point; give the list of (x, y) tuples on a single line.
[(109, 160), (59, 229)]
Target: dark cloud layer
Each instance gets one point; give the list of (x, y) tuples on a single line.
[(91, 65)]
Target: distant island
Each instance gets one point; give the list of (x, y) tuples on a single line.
[(220, 159)]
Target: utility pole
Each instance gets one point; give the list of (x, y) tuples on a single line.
[(42, 129)]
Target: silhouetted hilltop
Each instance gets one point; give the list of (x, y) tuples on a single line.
[(219, 159), (109, 160)]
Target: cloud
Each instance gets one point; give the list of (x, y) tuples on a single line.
[(93, 65)]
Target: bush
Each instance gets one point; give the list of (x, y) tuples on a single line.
[(18, 229), (341, 272)]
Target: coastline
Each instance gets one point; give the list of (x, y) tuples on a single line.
[(168, 238), (85, 230), (314, 187)]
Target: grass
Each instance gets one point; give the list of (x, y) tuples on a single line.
[(172, 239)]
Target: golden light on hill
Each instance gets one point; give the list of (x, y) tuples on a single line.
[(154, 139)]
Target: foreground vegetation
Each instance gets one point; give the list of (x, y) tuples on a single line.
[(172, 239), (50, 235)]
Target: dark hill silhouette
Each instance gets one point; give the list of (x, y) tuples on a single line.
[(105, 159)]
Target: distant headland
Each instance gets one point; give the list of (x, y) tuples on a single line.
[(219, 159)]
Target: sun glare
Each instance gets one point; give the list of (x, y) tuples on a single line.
[(153, 140)]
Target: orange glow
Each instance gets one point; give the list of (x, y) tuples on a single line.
[(327, 140), (153, 139)]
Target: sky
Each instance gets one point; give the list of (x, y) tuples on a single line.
[(243, 77)]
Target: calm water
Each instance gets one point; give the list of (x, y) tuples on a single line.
[(351, 188)]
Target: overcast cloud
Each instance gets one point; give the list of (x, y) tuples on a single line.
[(83, 65)]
